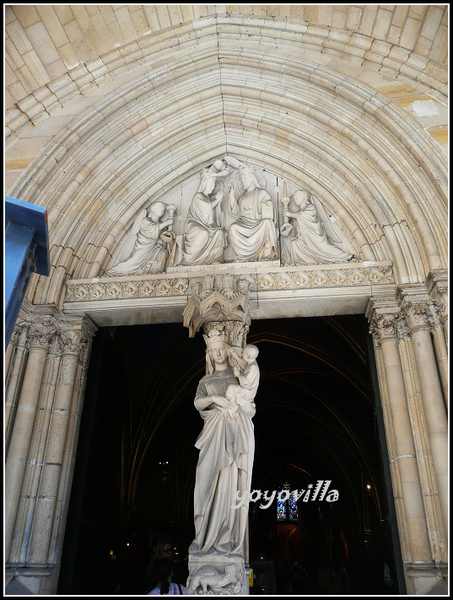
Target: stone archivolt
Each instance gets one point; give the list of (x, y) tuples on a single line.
[(352, 147)]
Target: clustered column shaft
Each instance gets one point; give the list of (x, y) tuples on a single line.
[(416, 428), (44, 416)]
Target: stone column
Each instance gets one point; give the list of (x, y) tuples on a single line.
[(428, 483), (16, 360), (440, 347), (40, 489), (401, 448), (416, 310), (41, 334)]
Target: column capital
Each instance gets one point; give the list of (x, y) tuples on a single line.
[(46, 325), (19, 336), (416, 307), (437, 286), (382, 315), (76, 334), (41, 333)]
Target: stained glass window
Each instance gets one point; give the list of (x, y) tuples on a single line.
[(287, 508), (281, 510), (293, 508)]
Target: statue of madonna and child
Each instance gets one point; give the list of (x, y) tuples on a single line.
[(225, 400)]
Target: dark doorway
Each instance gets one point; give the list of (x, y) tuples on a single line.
[(316, 421)]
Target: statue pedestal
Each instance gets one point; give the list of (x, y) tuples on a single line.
[(217, 574)]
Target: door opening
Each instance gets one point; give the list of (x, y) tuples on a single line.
[(316, 421)]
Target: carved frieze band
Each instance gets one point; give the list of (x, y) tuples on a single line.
[(179, 284)]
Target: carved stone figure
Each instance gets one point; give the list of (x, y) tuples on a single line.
[(226, 446), (311, 237), (209, 579), (252, 236), (248, 375), (205, 238), (148, 245)]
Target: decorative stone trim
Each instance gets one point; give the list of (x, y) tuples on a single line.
[(416, 308), (260, 277), (384, 326)]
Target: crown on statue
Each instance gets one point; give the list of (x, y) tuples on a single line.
[(215, 335)]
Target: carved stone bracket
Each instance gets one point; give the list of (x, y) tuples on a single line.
[(222, 299)]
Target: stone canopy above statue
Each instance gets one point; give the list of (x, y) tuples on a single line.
[(230, 212)]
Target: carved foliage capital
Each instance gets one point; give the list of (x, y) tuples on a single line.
[(383, 326), (417, 314), (54, 332), (19, 336), (42, 332), (76, 338)]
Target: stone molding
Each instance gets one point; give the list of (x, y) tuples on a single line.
[(437, 286), (401, 62), (261, 278)]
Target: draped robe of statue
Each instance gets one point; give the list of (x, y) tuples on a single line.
[(150, 250), (204, 237), (224, 469), (253, 236), (313, 238)]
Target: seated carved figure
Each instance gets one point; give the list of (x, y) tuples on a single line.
[(252, 236)]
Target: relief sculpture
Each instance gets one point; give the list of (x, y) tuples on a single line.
[(309, 236), (205, 236), (252, 236), (148, 245), (230, 212)]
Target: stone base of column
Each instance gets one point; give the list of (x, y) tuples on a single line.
[(427, 579), (217, 574)]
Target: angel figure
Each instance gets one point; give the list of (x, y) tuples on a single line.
[(148, 244), (311, 237)]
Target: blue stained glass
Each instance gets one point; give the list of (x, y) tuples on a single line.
[(293, 509), (281, 511)]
